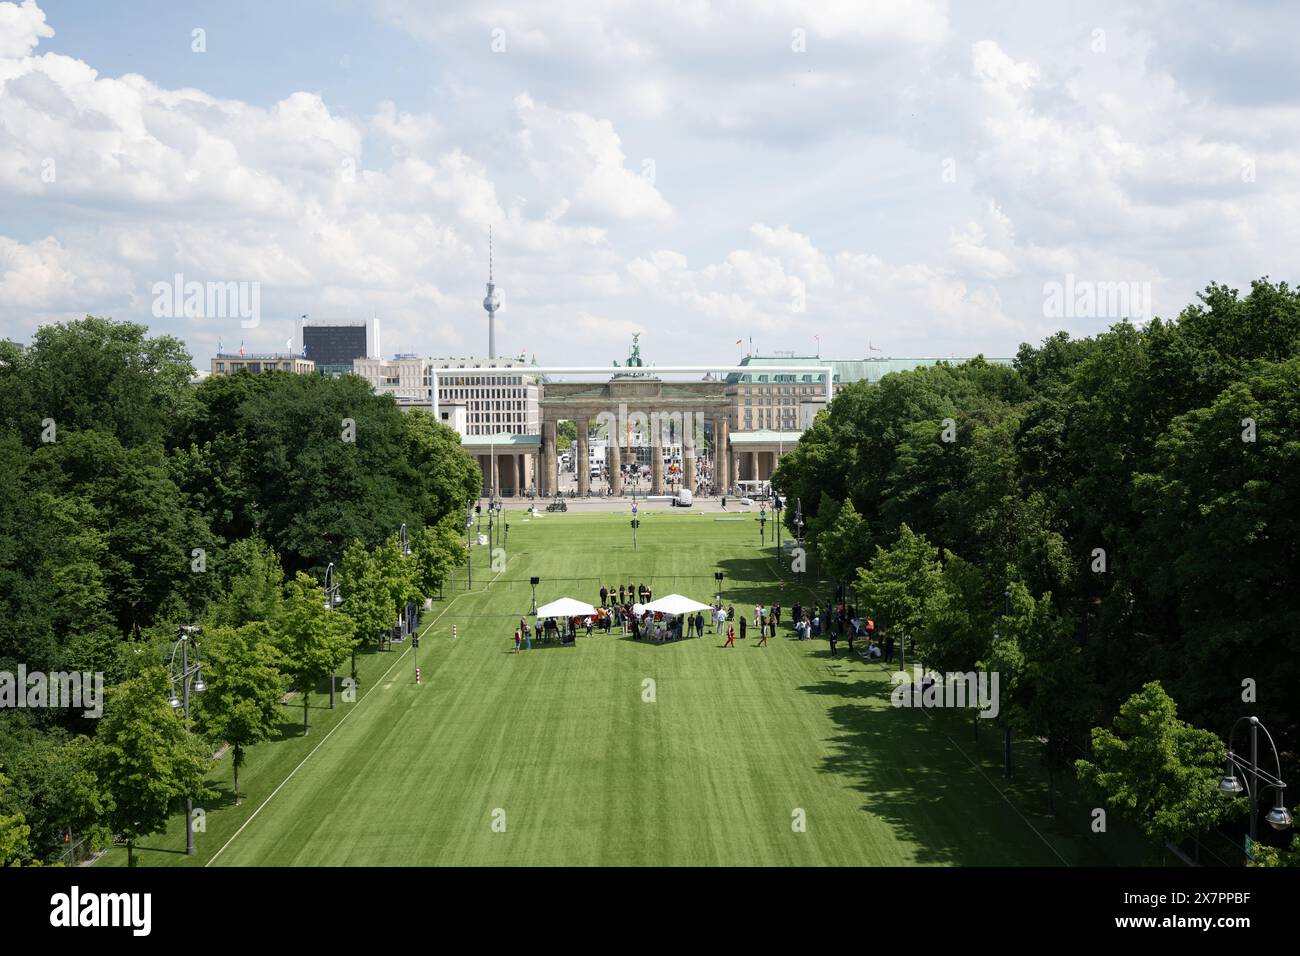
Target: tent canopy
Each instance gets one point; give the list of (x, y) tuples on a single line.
[(566, 607), (676, 604)]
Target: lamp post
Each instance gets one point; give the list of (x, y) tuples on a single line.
[(332, 600), (404, 540), (798, 531), (187, 676), (1279, 818), (469, 552)]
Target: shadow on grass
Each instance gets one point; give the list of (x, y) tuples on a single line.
[(910, 777)]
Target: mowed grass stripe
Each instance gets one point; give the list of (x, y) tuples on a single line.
[(588, 774)]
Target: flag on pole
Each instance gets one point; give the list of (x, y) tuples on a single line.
[(218, 346), (241, 348)]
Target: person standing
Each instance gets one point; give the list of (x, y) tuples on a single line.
[(832, 637), (528, 636), (773, 629), (889, 648), (699, 625), (742, 628), (731, 637), (516, 640), (621, 596), (604, 595), (762, 637)]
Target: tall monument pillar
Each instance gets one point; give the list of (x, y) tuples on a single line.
[(614, 463), (656, 456), (722, 449), (550, 464), (582, 456), (689, 440)]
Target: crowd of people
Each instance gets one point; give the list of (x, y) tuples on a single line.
[(834, 622)]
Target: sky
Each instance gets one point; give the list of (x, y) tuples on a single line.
[(858, 179)]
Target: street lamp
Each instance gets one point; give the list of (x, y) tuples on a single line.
[(1279, 818), (469, 525), (188, 677), (332, 600), (404, 541), (798, 531)]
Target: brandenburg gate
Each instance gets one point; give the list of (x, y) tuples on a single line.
[(630, 402), (642, 404)]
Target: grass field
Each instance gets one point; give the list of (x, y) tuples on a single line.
[(560, 741)]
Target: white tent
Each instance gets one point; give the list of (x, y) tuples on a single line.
[(676, 605), (566, 607)]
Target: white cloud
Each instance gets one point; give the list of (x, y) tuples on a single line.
[(21, 28), (582, 155)]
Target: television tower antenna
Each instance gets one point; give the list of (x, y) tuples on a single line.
[(491, 302)]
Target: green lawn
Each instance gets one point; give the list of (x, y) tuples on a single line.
[(585, 772)]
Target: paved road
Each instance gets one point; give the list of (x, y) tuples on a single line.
[(713, 505)]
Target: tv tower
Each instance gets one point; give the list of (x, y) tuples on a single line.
[(491, 303)]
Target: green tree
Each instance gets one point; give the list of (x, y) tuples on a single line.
[(145, 759), (399, 574), (313, 640), (844, 546), (436, 551), (252, 584), (13, 830), (366, 598), (1264, 855), (1155, 769), (53, 784), (897, 583), (95, 374), (957, 620), (245, 686), (566, 433)]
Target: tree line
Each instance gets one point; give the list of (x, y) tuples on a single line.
[(133, 503), (1109, 522)]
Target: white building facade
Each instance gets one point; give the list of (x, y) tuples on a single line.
[(492, 404)]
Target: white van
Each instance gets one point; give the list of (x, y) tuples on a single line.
[(683, 499)]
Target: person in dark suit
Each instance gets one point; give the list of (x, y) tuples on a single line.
[(604, 595)]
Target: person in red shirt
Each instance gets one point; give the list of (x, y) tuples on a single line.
[(731, 637)]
